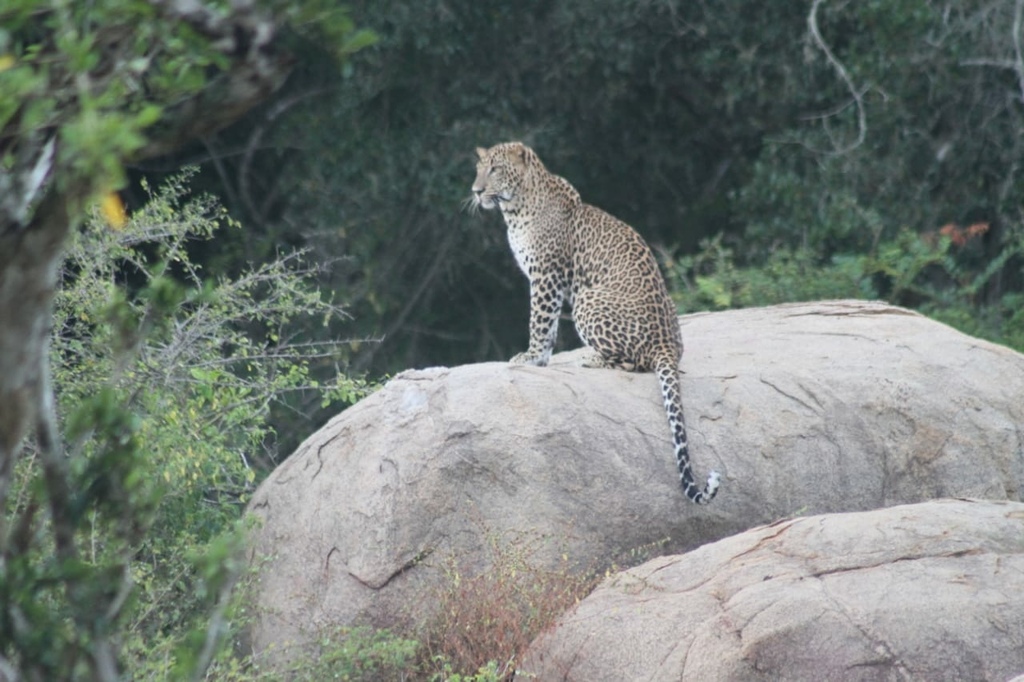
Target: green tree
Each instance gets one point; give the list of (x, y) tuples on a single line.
[(907, 159), (194, 392), (85, 89)]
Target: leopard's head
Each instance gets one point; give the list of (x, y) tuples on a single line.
[(500, 174)]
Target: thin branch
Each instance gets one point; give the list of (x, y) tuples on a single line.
[(255, 142), (103, 661), (421, 288), (216, 157), (985, 61), (216, 628), (1018, 15), (858, 95), (7, 671), (834, 111)]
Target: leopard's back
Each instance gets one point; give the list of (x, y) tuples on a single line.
[(621, 304)]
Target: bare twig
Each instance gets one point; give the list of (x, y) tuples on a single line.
[(216, 627), (103, 661), (985, 61), (255, 143), (217, 157), (1018, 52), (855, 93), (7, 671)]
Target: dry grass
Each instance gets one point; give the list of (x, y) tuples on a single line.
[(491, 616)]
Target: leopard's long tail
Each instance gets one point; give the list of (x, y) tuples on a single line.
[(668, 376)]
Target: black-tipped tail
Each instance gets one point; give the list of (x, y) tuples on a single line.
[(669, 379), (690, 489)]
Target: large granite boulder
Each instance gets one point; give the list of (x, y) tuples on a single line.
[(805, 409), (931, 591)]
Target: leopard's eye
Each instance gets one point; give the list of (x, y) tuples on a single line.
[(491, 170)]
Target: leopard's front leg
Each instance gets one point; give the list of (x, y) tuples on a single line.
[(547, 292)]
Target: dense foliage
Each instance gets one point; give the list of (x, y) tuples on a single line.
[(100, 571), (781, 133), (166, 379)]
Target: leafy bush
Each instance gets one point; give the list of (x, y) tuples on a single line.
[(934, 272), (166, 381), (711, 279), (359, 654)]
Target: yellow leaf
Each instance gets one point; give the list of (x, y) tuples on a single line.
[(6, 61), (113, 211)]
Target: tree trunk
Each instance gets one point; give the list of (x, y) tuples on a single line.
[(31, 239), (30, 260)]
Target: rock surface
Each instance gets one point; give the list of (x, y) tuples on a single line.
[(931, 591), (804, 408)]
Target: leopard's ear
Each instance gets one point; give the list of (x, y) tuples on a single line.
[(481, 152), (519, 154)]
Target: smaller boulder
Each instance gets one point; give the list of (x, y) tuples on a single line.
[(930, 591)]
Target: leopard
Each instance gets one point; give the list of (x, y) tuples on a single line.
[(577, 254)]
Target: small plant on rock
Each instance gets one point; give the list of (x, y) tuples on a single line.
[(486, 619)]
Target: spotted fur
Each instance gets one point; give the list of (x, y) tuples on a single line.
[(575, 252)]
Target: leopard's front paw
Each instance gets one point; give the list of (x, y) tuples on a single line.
[(526, 358)]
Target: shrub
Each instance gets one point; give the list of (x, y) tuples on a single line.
[(359, 654), (712, 279), (938, 273), (486, 619), (166, 381)]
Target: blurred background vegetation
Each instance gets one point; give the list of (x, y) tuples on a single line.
[(769, 152)]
